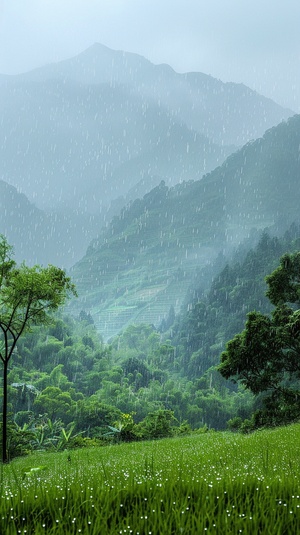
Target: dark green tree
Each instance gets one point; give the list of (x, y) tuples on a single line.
[(265, 356), (28, 296)]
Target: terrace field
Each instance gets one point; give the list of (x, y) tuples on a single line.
[(214, 483)]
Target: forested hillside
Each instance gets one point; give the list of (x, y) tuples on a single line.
[(145, 260), (66, 373)]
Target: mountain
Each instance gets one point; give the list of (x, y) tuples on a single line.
[(227, 113), (41, 238), (71, 145), (78, 134), (146, 259)]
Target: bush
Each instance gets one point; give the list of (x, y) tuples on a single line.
[(85, 442), (157, 424), (247, 426), (235, 423), (183, 429), (201, 430), (18, 441)]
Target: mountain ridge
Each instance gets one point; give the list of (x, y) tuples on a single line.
[(100, 64)]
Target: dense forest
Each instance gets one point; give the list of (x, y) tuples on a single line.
[(67, 386)]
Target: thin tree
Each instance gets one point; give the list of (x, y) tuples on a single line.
[(28, 296)]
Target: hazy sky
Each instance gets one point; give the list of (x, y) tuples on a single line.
[(256, 42)]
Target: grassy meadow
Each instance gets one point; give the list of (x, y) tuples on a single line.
[(214, 483)]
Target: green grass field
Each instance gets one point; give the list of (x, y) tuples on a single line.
[(214, 483)]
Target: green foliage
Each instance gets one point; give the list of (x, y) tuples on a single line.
[(239, 288), (93, 417), (80, 380), (234, 424), (157, 424), (55, 403), (265, 356), (284, 282), (45, 432), (18, 441), (79, 441), (28, 296), (131, 272), (137, 372)]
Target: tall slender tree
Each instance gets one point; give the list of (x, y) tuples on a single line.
[(28, 296)]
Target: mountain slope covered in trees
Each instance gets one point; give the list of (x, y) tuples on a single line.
[(67, 373), (147, 257)]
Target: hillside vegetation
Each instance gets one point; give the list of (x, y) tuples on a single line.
[(147, 382), (147, 258)]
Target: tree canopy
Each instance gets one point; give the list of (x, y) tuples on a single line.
[(28, 296), (265, 356)]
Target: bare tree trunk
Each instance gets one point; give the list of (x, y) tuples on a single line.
[(4, 414)]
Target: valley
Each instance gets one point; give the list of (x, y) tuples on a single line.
[(149, 268), (115, 169)]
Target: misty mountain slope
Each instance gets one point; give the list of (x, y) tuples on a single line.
[(145, 261), (83, 132), (262, 180), (41, 238), (227, 113), (71, 145), (182, 153)]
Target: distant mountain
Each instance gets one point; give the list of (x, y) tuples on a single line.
[(146, 259), (78, 146), (81, 133), (38, 237), (227, 113)]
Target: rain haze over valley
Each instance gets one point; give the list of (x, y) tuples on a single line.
[(142, 142), (149, 267)]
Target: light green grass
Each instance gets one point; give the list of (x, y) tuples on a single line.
[(216, 483)]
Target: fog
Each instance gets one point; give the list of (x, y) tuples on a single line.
[(255, 43)]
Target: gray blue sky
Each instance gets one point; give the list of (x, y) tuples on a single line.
[(256, 42)]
